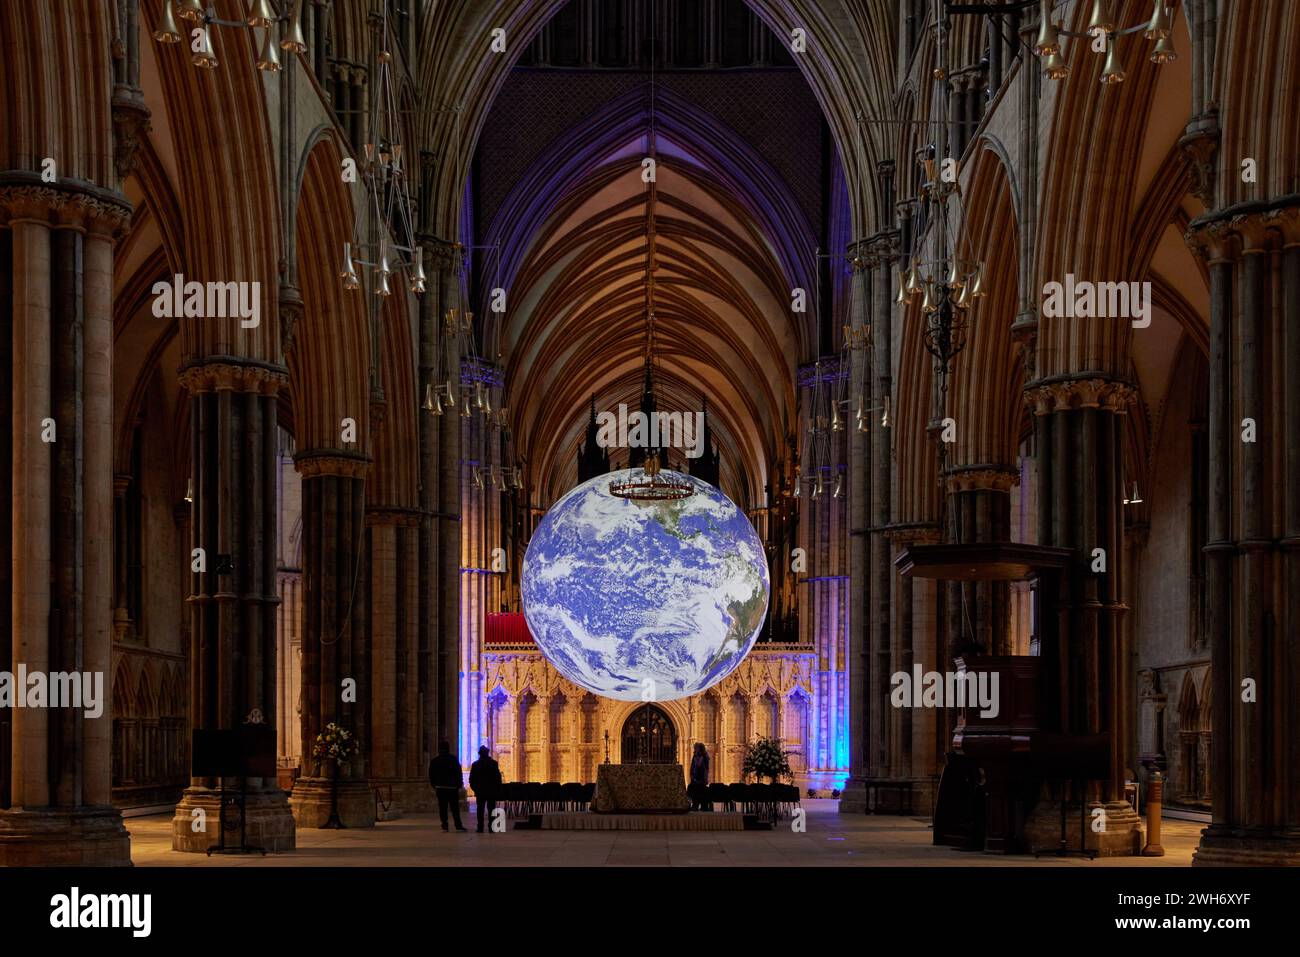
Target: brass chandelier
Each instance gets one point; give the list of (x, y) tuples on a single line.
[(946, 282), (946, 279), (390, 218), (1103, 31), (262, 15)]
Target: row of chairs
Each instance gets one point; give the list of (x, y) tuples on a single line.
[(768, 801), (520, 799)]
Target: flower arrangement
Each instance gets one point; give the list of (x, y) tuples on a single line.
[(765, 759), (335, 743)]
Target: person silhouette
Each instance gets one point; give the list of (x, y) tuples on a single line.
[(699, 787), (446, 779), (485, 781)]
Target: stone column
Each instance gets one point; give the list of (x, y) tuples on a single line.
[(854, 796), (980, 500), (1253, 566), (1080, 433), (121, 615), (233, 600), (883, 756), (56, 270), (922, 740), (544, 750), (336, 685), (392, 604)]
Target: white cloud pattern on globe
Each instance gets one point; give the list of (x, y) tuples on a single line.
[(625, 595)]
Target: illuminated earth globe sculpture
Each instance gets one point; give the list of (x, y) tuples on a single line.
[(645, 599)]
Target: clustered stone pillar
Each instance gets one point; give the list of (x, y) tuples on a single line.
[(440, 493), (980, 510), (481, 528), (336, 685), (56, 285), (1080, 446), (854, 798), (1253, 562), (396, 765), (233, 601)]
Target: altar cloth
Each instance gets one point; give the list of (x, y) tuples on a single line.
[(640, 789)]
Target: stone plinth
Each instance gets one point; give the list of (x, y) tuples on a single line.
[(1124, 833), (312, 798), (77, 837), (853, 799), (269, 822), (1225, 849)]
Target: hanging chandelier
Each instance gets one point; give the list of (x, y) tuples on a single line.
[(1103, 31), (389, 219), (818, 466), (652, 484), (462, 382), (262, 15), (946, 282)]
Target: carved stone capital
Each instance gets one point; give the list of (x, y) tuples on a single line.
[(978, 478), (1083, 393), (1245, 229), (98, 211), (331, 462), (228, 376)]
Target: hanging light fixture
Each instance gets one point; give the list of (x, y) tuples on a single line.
[(388, 223), (1049, 36), (167, 31), (261, 16), (269, 59), (1100, 20), (417, 277), (203, 57), (1055, 67), (1159, 28), (1163, 52), (945, 277), (293, 40), (349, 273), (1113, 72), (1102, 23)]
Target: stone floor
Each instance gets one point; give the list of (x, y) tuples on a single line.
[(831, 839)]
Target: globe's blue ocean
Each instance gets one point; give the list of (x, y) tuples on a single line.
[(641, 600)]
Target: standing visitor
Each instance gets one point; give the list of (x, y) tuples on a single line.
[(445, 777), (699, 787), (485, 781)]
